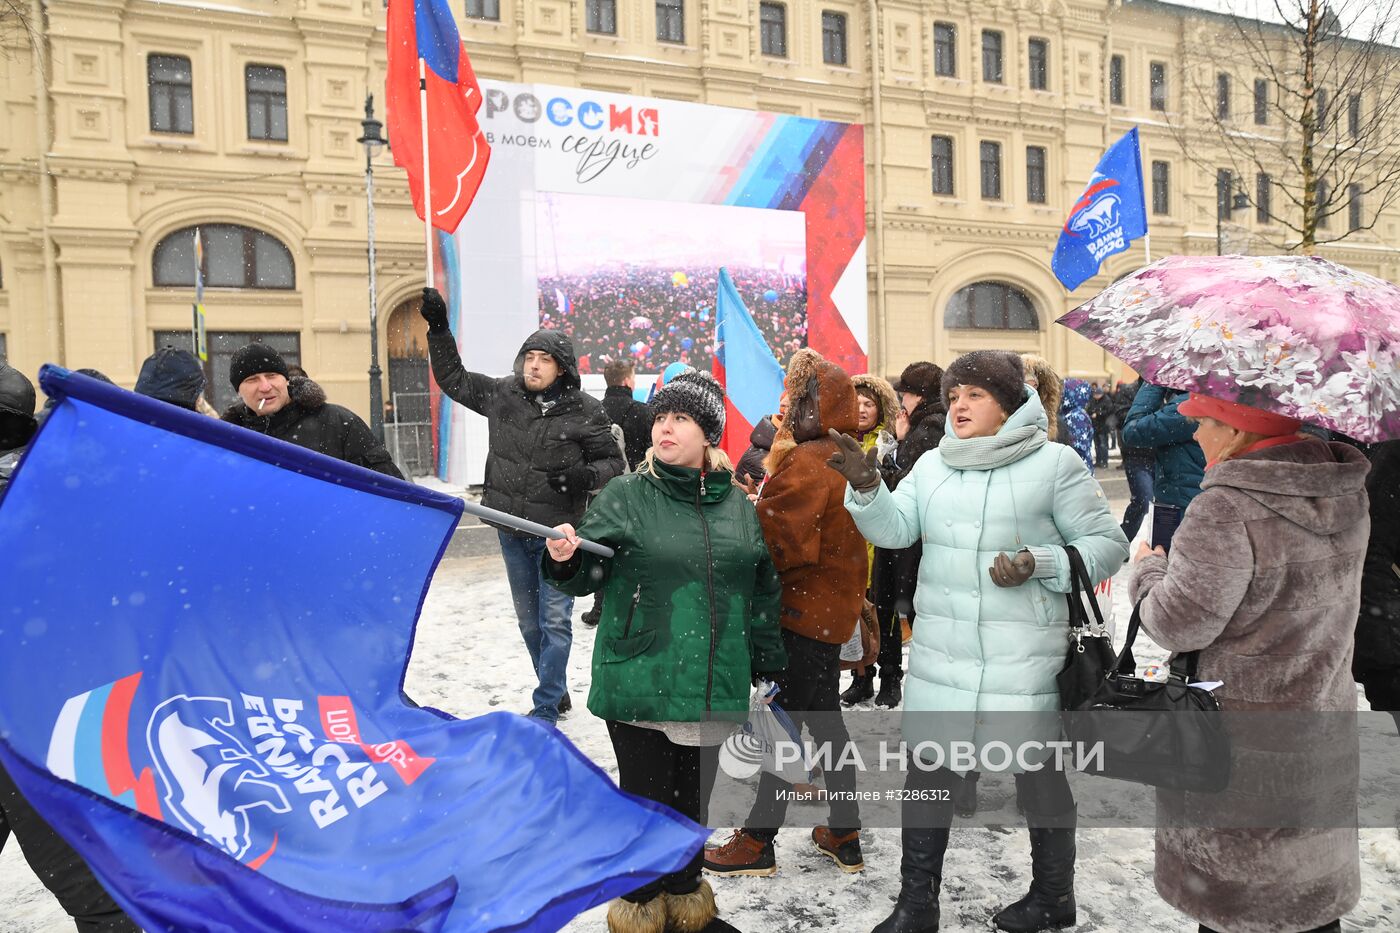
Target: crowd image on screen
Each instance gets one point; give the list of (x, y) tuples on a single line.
[(657, 316)]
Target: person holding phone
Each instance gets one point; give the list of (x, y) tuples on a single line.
[(1155, 423)]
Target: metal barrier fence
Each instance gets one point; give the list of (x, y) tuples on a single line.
[(410, 435)]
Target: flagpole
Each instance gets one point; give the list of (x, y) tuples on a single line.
[(427, 179)]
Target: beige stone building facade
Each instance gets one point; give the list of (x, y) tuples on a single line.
[(126, 123)]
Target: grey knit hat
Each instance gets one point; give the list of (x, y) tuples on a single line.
[(998, 371), (697, 394)]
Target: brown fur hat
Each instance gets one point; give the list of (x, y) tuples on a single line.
[(836, 398), (879, 391), (1049, 386)]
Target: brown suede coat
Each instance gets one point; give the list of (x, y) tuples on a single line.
[(1264, 579), (819, 554)]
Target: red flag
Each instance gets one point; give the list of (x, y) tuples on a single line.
[(457, 149)]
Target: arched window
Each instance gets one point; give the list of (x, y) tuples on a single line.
[(990, 306), (234, 257)]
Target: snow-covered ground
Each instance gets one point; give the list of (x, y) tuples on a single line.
[(469, 660)]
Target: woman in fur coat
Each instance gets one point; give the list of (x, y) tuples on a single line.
[(1264, 580)]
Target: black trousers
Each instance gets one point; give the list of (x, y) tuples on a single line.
[(891, 659), (60, 868), (811, 684), (680, 776)]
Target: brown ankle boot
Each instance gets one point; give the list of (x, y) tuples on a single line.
[(743, 854)]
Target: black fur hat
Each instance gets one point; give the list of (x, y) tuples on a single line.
[(998, 371), (922, 379), (697, 394)]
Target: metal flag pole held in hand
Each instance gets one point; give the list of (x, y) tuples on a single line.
[(497, 517)]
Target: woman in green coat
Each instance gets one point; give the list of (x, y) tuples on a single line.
[(690, 618), (995, 507)]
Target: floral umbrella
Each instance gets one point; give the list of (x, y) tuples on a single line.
[(1296, 335)]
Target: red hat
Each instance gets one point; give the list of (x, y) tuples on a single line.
[(1243, 417)]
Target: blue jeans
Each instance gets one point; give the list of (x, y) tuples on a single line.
[(1140, 486), (546, 623)]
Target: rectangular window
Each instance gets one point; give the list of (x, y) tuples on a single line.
[(945, 50), (1354, 115), (772, 29), (601, 17), (1157, 85), (1161, 188), (1224, 192), (484, 9), (1038, 64), (1261, 101), (991, 56), (266, 87), (670, 20), (170, 87), (1222, 97), (1354, 207), (1323, 193), (1263, 198), (991, 171), (1321, 102), (1035, 174), (833, 38), (943, 165), (1115, 80)]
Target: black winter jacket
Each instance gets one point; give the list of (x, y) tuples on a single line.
[(528, 444), (750, 465), (309, 421), (896, 572), (1377, 656), (634, 418)]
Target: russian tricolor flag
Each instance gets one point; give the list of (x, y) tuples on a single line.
[(745, 366), (424, 30)]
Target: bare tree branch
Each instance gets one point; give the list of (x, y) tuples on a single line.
[(1317, 148)]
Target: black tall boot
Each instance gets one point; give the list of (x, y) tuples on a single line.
[(920, 878), (861, 689), (1049, 905)]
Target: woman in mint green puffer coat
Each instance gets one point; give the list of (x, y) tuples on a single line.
[(995, 508)]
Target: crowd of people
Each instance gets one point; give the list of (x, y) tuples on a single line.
[(654, 316), (948, 506), (944, 504)]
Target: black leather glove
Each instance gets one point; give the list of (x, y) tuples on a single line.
[(770, 676), (1012, 571), (575, 481), (434, 311), (858, 466)]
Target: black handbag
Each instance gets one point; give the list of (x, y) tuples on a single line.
[(1091, 654), (1169, 735)]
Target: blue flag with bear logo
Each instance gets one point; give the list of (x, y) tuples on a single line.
[(206, 632), (1108, 216)]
